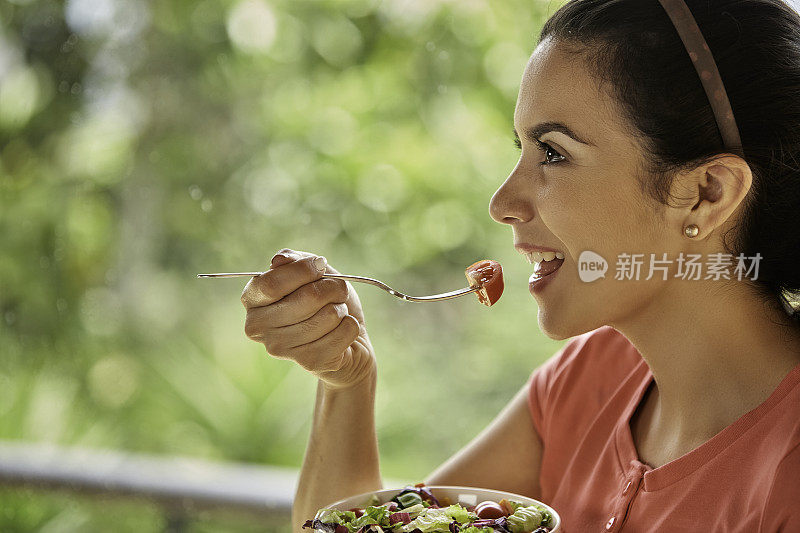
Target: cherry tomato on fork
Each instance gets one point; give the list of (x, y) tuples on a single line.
[(488, 275)]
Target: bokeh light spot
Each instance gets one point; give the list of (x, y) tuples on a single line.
[(271, 191), (116, 20), (19, 97), (447, 224), (252, 26), (333, 132), (114, 380), (382, 188), (97, 148), (51, 398), (504, 64), (337, 40)]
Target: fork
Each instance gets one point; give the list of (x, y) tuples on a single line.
[(361, 279)]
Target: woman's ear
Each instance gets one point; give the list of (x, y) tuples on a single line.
[(711, 193)]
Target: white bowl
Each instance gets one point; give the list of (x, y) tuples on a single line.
[(463, 495)]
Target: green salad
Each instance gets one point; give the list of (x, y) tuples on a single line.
[(416, 510)]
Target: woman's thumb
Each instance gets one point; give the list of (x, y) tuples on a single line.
[(280, 259)]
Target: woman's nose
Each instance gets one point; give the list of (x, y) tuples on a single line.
[(508, 205)]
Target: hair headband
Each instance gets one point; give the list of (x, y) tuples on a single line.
[(706, 67)]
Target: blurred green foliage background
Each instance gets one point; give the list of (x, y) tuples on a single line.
[(144, 142)]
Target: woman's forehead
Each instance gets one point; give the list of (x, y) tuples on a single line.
[(557, 86)]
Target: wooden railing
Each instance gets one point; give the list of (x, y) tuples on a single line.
[(181, 486)]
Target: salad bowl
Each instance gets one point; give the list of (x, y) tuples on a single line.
[(465, 496)]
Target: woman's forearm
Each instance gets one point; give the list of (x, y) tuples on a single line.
[(342, 455)]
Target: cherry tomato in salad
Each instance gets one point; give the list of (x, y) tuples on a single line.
[(488, 275)]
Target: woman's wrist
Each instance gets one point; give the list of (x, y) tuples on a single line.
[(365, 383)]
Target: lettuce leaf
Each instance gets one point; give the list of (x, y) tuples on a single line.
[(439, 520), (373, 515), (334, 516), (460, 514), (432, 521), (524, 519), (414, 510)]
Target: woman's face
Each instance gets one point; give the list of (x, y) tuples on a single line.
[(585, 197)]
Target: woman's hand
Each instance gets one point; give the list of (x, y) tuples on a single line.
[(314, 321)]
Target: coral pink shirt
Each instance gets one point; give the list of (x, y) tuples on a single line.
[(746, 478)]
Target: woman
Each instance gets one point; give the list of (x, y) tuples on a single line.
[(677, 404)]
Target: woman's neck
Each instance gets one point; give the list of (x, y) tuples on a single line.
[(713, 359)]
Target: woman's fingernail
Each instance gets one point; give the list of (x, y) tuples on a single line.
[(278, 256), (320, 264)]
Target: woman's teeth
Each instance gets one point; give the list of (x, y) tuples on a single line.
[(538, 257), (544, 264)]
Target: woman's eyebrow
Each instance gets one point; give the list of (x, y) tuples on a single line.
[(533, 133)]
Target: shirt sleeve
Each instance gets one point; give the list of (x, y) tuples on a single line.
[(782, 510), (541, 384)]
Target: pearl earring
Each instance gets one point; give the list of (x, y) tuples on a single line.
[(691, 231)]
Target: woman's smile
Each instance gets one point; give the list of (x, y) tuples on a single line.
[(545, 267), (545, 260)]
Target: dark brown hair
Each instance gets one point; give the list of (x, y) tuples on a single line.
[(632, 47)]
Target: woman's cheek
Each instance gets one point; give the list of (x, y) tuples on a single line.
[(549, 190), (561, 202), (578, 215)]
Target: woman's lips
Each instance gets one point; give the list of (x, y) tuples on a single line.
[(537, 284), (545, 268)]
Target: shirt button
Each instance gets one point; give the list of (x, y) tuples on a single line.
[(610, 523), (626, 489)]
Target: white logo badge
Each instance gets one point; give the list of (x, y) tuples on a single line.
[(591, 266)]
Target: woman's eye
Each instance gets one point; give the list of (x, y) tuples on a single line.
[(548, 150)]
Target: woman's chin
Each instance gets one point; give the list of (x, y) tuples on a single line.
[(553, 328), (561, 326)]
